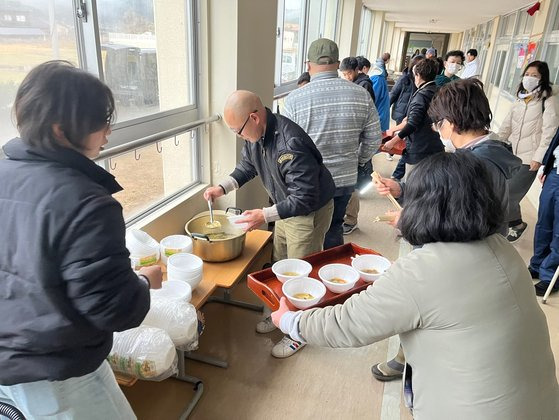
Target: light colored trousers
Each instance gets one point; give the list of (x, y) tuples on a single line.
[(299, 236), (95, 396), (352, 209)]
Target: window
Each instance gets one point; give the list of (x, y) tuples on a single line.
[(500, 59), (145, 52), (322, 19), (290, 32), (552, 59), (300, 22), (507, 25), (365, 29), (8, 18), (24, 48), (151, 174), (147, 62), (20, 18)]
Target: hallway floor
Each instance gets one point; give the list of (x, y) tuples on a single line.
[(314, 383)]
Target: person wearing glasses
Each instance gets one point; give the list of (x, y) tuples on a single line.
[(291, 169), (66, 284), (453, 61)]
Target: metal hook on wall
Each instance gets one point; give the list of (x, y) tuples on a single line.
[(137, 156), (177, 142), (158, 147), (111, 166)]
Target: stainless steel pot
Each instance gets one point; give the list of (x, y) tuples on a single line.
[(216, 244)]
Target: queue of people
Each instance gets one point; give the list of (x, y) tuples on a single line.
[(461, 294)]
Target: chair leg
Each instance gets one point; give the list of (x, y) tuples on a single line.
[(551, 285)]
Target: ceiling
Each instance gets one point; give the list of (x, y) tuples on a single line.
[(443, 16)]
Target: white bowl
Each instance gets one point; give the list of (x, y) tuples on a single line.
[(140, 243), (192, 280), (370, 262), (174, 290), (303, 285), (341, 271), (174, 244), (291, 265), (139, 261), (185, 263), (233, 220)]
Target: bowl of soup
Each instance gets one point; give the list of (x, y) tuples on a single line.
[(338, 278), (303, 292), (291, 268), (370, 267)]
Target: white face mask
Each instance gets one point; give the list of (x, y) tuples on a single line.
[(452, 68), (530, 83), (447, 143)]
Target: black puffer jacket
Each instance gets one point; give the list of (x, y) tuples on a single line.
[(65, 279), (400, 96), (421, 140), (365, 82), (290, 167)]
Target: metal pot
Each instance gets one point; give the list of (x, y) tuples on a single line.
[(216, 245)]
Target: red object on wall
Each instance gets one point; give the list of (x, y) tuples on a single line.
[(534, 8)]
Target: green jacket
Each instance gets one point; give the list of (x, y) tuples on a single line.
[(441, 79)]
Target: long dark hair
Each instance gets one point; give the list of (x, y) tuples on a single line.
[(545, 83), (56, 92), (450, 198), (464, 104)]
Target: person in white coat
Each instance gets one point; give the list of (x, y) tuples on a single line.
[(528, 128), (476, 341)]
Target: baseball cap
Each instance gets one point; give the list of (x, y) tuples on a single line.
[(323, 51)]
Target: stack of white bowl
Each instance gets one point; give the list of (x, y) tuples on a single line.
[(174, 244), (144, 250), (185, 267)]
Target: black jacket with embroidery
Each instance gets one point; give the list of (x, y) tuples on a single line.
[(290, 167)]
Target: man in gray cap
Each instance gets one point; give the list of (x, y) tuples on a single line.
[(341, 118)]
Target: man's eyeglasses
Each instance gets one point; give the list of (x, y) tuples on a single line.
[(240, 132)]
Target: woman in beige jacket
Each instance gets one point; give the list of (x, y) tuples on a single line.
[(529, 128), (475, 340)]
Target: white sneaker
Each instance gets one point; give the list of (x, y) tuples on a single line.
[(265, 326), (286, 347), (389, 157)]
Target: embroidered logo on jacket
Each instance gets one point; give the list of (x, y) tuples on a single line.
[(284, 157)]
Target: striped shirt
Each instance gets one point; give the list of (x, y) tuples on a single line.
[(341, 118)]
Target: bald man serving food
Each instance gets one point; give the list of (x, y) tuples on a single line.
[(291, 169)]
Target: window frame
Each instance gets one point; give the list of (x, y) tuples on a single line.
[(90, 58), (281, 88)]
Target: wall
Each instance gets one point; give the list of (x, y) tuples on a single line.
[(349, 28), (235, 31)]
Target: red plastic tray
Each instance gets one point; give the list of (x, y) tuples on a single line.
[(267, 287), (398, 148)]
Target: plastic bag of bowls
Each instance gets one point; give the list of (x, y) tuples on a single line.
[(185, 267), (174, 244), (177, 318), (144, 250), (173, 290), (145, 353)]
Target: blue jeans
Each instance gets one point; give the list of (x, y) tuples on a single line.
[(546, 237), (92, 396), (335, 235), (400, 170)]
